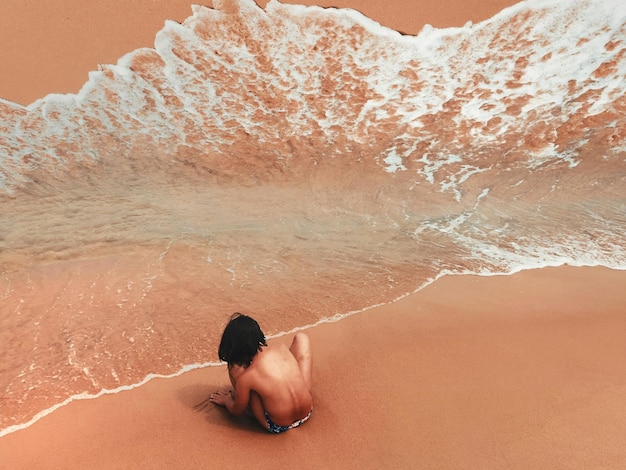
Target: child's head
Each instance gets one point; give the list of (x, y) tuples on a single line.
[(241, 340)]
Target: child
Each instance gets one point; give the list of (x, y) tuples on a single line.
[(273, 383)]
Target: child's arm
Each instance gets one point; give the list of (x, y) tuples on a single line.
[(236, 402)]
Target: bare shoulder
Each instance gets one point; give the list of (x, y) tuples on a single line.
[(277, 352), (275, 359)]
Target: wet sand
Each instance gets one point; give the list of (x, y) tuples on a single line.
[(521, 371)]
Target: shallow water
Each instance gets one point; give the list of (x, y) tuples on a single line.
[(297, 164)]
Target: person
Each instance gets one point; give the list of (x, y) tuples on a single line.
[(273, 383)]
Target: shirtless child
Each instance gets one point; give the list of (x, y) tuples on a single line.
[(273, 383)]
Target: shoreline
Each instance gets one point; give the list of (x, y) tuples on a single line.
[(517, 369), (187, 368), (66, 40)]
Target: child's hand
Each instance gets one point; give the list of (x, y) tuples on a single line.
[(220, 398)]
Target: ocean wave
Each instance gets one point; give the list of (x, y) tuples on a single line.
[(300, 147), (535, 84)]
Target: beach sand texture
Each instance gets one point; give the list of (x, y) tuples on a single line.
[(522, 370)]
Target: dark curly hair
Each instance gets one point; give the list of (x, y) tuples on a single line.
[(241, 341)]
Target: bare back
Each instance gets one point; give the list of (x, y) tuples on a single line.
[(275, 386), (275, 376)]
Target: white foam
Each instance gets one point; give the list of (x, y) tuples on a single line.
[(385, 53), (88, 396), (393, 162)]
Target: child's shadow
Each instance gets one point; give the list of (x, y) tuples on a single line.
[(196, 397)]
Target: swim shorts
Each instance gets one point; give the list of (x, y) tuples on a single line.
[(276, 429)]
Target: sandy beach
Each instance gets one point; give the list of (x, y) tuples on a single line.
[(522, 371)]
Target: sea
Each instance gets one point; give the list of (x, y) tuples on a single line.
[(297, 164)]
